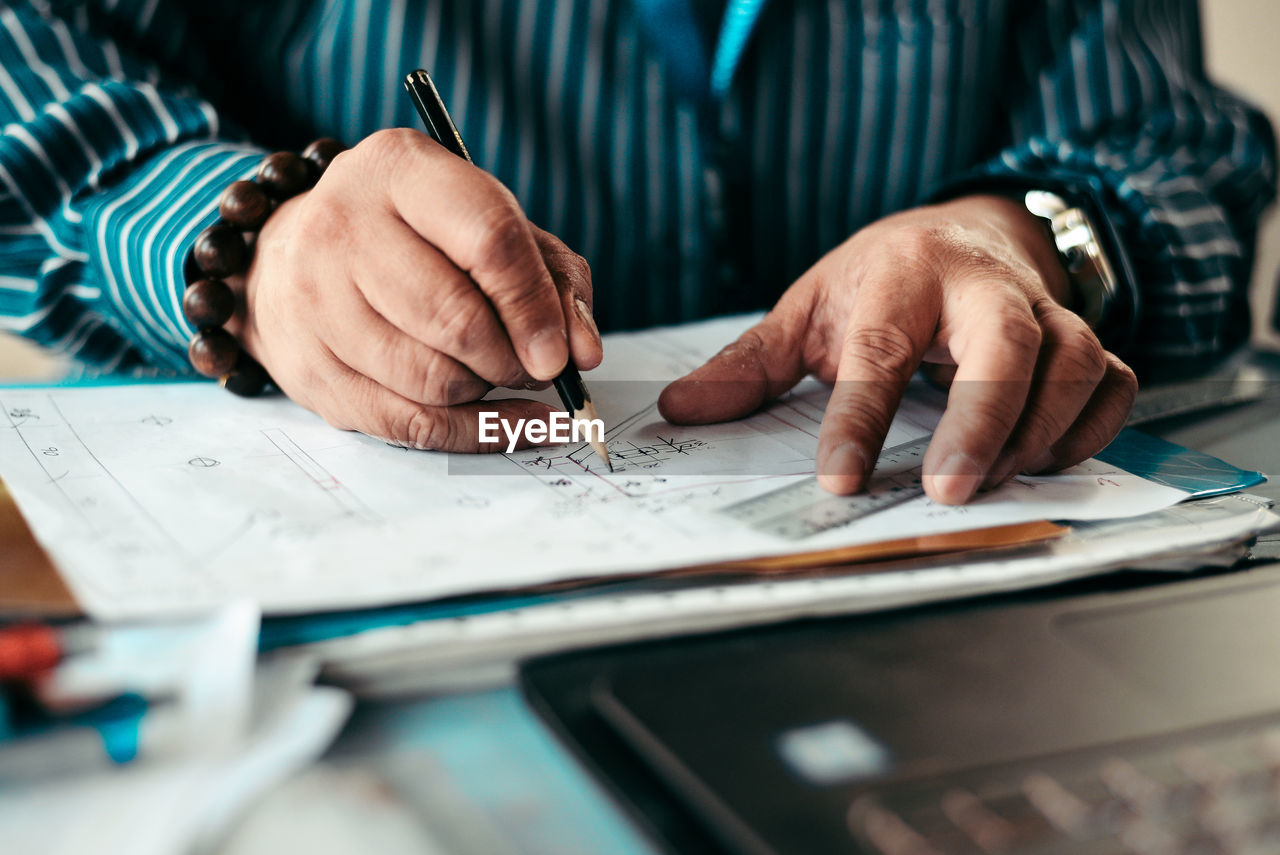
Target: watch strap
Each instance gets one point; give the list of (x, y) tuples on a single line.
[(1117, 326)]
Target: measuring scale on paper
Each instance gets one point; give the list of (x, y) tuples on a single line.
[(804, 509)]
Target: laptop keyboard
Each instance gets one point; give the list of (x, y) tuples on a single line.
[(1209, 796)]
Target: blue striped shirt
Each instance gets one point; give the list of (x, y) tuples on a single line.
[(122, 120)]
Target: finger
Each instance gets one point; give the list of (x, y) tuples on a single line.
[(416, 288), (368, 343), (940, 374), (893, 320), (572, 276), (996, 345), (477, 223), (763, 363), (1072, 363), (355, 402), (1102, 418)]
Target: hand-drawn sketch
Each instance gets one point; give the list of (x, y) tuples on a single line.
[(157, 499)]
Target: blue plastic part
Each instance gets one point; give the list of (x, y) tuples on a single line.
[(119, 722), (1169, 464), (310, 628)]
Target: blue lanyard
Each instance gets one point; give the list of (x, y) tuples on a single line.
[(740, 18), (671, 25)]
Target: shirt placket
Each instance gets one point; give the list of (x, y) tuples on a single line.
[(672, 27)]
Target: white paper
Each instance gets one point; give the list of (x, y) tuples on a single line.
[(444, 655), (165, 499)]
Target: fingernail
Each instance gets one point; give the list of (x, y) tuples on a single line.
[(547, 352), (1004, 467), (844, 469), (957, 479), (584, 312)]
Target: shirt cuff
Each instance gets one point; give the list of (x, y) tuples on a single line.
[(139, 233)]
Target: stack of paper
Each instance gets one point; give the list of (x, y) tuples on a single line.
[(172, 499)]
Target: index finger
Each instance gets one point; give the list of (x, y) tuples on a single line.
[(470, 217), (891, 326)]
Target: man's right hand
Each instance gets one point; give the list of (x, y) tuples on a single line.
[(404, 286)]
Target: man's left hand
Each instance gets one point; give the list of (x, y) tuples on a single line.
[(973, 291)]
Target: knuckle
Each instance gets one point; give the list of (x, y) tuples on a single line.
[(573, 269), (427, 429), (435, 389), (920, 238), (381, 156), (1092, 436), (995, 413), (745, 350), (943, 245), (300, 296), (1125, 380), (305, 377), (887, 350), (501, 237), (1014, 325), (579, 272), (530, 300), (1039, 428), (344, 404), (343, 163), (860, 413), (324, 222), (387, 146), (438, 381), (463, 324), (1080, 348)]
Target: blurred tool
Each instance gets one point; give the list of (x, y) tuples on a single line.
[(30, 649)]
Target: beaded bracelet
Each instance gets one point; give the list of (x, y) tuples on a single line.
[(221, 251)]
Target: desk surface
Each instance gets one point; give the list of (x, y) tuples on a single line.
[(478, 773)]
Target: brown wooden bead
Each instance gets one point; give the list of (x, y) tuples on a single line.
[(208, 303), (284, 174), (220, 251), (322, 152), (244, 205), (248, 378), (213, 352)]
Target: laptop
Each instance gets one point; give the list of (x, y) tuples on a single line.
[(1144, 720)]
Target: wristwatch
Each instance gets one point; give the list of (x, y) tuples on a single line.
[(1092, 277)]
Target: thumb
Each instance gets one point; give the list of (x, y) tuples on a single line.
[(762, 364)]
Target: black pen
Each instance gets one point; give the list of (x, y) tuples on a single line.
[(573, 392)]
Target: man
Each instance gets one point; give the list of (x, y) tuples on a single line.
[(861, 164)]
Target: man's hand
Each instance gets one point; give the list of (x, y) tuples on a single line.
[(404, 286), (971, 288)]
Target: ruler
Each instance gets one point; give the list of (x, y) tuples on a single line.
[(804, 509)]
